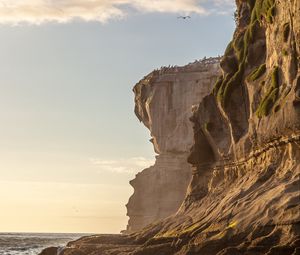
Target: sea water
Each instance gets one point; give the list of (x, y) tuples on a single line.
[(32, 243)]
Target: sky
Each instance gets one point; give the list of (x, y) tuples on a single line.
[(70, 141)]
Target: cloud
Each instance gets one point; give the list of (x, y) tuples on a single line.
[(223, 7), (224, 3), (40, 11), (122, 166), (168, 6)]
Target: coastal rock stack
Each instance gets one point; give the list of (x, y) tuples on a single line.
[(164, 101)]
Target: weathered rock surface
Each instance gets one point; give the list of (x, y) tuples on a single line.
[(158, 192), (244, 197), (164, 101), (49, 251)]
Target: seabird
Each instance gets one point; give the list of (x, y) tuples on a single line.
[(184, 17)]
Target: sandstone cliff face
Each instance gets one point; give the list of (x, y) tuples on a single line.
[(164, 100), (244, 197)]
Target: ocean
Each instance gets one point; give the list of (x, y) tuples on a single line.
[(32, 243)]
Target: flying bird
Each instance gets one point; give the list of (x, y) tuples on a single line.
[(184, 17)]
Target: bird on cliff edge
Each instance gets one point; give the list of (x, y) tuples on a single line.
[(184, 17)]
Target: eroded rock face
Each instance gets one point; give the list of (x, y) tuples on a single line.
[(158, 192), (244, 197), (164, 101)]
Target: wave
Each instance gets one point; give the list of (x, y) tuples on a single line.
[(32, 243)]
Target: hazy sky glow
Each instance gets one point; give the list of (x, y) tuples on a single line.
[(70, 142)]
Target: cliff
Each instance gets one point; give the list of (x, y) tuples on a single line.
[(163, 102), (244, 196)]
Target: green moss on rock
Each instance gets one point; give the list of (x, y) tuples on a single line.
[(218, 85), (260, 9), (267, 103), (229, 49), (271, 96), (238, 46), (275, 77), (251, 3), (271, 14), (264, 9), (257, 73)]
